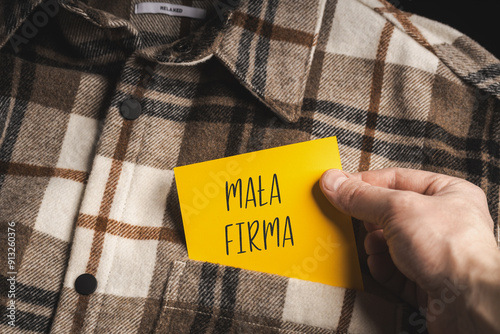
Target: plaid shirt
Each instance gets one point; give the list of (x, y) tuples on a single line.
[(84, 190)]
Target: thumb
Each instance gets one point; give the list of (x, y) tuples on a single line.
[(357, 198)]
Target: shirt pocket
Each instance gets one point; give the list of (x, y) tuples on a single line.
[(202, 297), (207, 298)]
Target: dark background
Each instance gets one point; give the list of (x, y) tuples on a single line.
[(478, 19)]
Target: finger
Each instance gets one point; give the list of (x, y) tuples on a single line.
[(382, 268), (371, 227), (419, 181), (375, 243), (384, 271), (358, 198)]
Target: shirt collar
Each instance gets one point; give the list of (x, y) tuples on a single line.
[(18, 11), (270, 50), (268, 46)]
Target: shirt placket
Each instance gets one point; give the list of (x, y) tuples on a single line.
[(101, 234), (104, 200)]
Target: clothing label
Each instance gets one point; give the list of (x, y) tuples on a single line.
[(170, 9), (264, 211)]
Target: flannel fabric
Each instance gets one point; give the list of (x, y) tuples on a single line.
[(92, 192)]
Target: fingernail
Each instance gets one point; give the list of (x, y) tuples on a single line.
[(332, 179)]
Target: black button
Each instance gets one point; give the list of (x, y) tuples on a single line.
[(183, 47), (130, 109), (85, 284)]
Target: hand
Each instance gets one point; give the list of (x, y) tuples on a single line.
[(427, 233)]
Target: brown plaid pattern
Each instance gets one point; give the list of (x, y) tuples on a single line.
[(91, 192)]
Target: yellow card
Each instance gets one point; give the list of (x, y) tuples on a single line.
[(264, 211)]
